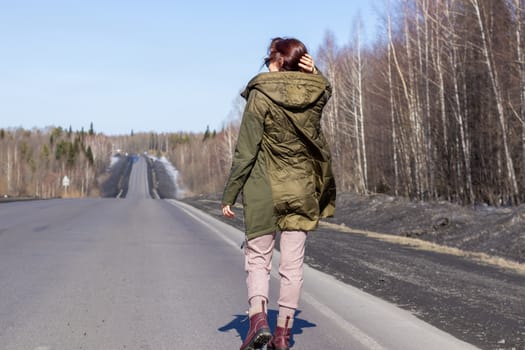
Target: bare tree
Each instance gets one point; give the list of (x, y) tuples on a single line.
[(495, 84), (518, 7), (359, 115), (392, 103)]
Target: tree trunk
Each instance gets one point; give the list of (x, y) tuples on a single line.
[(487, 56), (360, 115), (518, 4), (392, 108)]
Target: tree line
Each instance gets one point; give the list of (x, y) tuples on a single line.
[(433, 108), (33, 163), (444, 97)]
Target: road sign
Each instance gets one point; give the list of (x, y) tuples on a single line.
[(65, 181)]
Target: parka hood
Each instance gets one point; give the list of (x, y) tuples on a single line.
[(291, 90)]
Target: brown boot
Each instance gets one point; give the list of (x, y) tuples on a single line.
[(281, 337), (259, 333)]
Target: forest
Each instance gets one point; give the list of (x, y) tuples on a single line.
[(431, 109)]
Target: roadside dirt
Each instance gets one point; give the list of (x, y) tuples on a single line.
[(459, 269), (494, 231), (114, 181)]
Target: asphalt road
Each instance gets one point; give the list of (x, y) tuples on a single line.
[(139, 273), (138, 187)]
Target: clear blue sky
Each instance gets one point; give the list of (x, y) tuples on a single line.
[(155, 65)]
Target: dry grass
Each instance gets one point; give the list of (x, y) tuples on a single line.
[(432, 247)]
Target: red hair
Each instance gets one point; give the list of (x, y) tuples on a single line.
[(290, 50)]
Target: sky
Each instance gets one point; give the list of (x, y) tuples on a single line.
[(149, 66)]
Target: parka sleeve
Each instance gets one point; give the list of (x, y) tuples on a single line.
[(247, 148)]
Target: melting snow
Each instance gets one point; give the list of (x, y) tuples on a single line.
[(173, 173)]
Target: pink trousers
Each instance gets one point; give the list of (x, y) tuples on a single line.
[(258, 264)]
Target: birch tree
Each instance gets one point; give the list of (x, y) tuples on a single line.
[(495, 84), (392, 104), (518, 7)]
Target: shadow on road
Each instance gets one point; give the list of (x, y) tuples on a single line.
[(241, 324)]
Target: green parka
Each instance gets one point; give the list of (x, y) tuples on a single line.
[(282, 163)]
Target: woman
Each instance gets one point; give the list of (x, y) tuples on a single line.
[(282, 166)]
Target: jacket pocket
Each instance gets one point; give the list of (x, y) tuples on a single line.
[(306, 206), (296, 196)]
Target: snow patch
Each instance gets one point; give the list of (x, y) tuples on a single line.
[(174, 175), (113, 161)]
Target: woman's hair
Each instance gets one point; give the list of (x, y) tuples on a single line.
[(289, 49)]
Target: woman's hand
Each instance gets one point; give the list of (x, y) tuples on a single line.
[(306, 63), (227, 211)]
